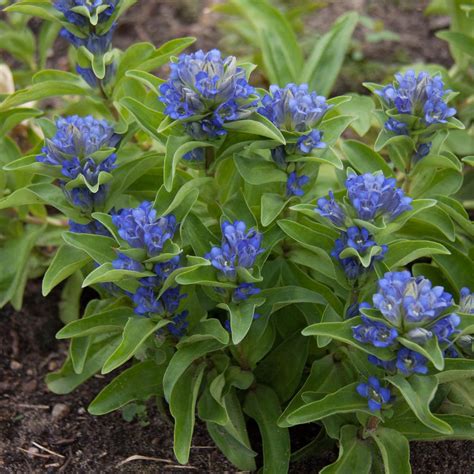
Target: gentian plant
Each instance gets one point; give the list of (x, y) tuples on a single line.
[(247, 261)]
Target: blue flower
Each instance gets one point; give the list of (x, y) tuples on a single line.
[(403, 298), (308, 142), (373, 195), (331, 209), (124, 262), (420, 95), (374, 332), (354, 309), (83, 198), (196, 155), (409, 362), (466, 304), (180, 324), (164, 269), (93, 227), (207, 91), (375, 393), (239, 248), (141, 227), (361, 240), (88, 74), (388, 365), (446, 327), (77, 137), (295, 183), (148, 304), (422, 150), (294, 108), (397, 127), (244, 291), (104, 10)]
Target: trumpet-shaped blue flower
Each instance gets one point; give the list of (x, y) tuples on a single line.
[(397, 127), (124, 262), (420, 95), (294, 108), (207, 91), (361, 240), (409, 362), (375, 393), (180, 324), (148, 304), (244, 291), (445, 328), (141, 227), (374, 332), (404, 298), (308, 142), (295, 183), (422, 150), (77, 137), (466, 304), (93, 42), (330, 209), (239, 248), (374, 195)]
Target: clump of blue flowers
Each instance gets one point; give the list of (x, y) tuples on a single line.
[(296, 111), (75, 148), (239, 250), (142, 228), (370, 197), (93, 31), (376, 395), (204, 91), (413, 309), (362, 242), (415, 103)]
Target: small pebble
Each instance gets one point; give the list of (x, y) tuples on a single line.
[(15, 365), (52, 365), (81, 411), (60, 410)]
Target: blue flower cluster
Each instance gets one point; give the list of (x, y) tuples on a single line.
[(374, 195), (412, 308), (73, 146), (375, 393), (361, 240), (93, 227), (371, 196), (205, 91), (295, 183), (466, 304), (420, 95), (293, 108), (89, 17), (239, 248), (141, 227)]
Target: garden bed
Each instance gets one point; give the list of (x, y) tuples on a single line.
[(31, 416)]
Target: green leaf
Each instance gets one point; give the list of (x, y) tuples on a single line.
[(148, 119), (344, 400), (259, 126), (333, 128), (325, 61), (361, 107), (182, 408), (355, 455), (66, 379), (459, 40), (107, 273), (255, 170), (281, 372), (281, 54), (241, 317), (456, 369), (394, 449), (402, 252), (98, 247), (107, 321), (183, 358), (364, 159), (271, 206), (263, 406), (202, 276), (458, 268), (418, 391), (176, 148), (138, 382), (343, 332), (136, 331)]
